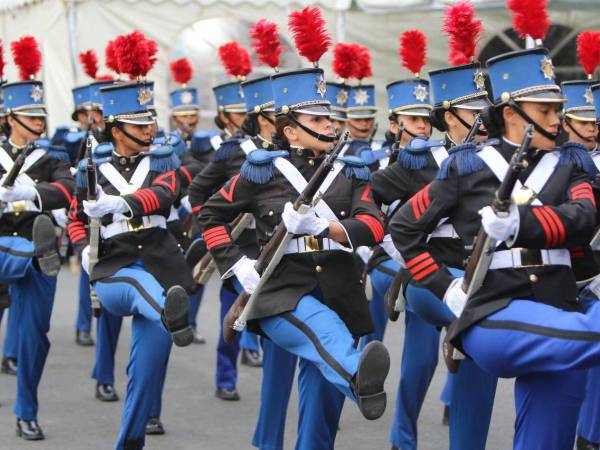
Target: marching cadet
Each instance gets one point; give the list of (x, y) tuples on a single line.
[(313, 305), (579, 122), (525, 320), (29, 261), (141, 270), (226, 163)]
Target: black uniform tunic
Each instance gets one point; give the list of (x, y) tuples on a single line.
[(566, 220), (334, 273)]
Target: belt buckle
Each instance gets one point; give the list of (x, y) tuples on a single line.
[(311, 244), (530, 257), (135, 227), (18, 206)]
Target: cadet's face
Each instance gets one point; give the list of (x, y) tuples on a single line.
[(267, 128), (318, 124), (128, 147), (82, 119), (544, 114), (98, 120), (417, 125), (360, 128), (587, 129), (339, 125), (456, 130), (19, 134), (187, 122), (233, 121)]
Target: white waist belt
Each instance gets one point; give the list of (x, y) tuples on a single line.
[(504, 259), (21, 206), (125, 226), (312, 244), (444, 231)]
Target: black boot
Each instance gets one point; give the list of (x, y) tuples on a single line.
[(584, 444), (44, 243), (368, 382), (9, 366), (251, 358), (83, 338), (227, 394), (175, 316), (446, 416), (137, 444), (106, 393), (29, 430), (154, 426)]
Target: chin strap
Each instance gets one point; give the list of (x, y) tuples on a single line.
[(267, 118), (525, 116), (147, 143), (238, 131), (317, 136), (479, 131), (579, 135), (14, 116)]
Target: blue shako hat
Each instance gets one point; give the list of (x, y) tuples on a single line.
[(128, 102), (361, 102), (580, 100), (302, 91), (81, 98), (25, 98), (524, 75), (596, 94), (258, 94), (409, 97), (229, 97), (94, 93), (459, 87), (184, 101), (337, 94)]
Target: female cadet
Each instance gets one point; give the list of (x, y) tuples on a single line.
[(524, 320)]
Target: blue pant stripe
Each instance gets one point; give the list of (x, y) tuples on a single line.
[(12, 251), (136, 284)]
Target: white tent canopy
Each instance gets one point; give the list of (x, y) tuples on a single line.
[(65, 28)]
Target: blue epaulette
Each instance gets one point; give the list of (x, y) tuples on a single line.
[(577, 154), (414, 155), (53, 151), (201, 142), (81, 176), (355, 167), (103, 152), (227, 149), (372, 156), (465, 158), (163, 159), (258, 167)]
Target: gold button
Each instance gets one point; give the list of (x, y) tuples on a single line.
[(271, 212), (123, 161), (311, 162), (343, 213), (140, 247), (127, 169), (299, 152), (179, 245), (36, 180), (319, 269), (533, 278), (15, 233), (185, 233)]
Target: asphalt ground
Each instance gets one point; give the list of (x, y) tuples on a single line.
[(194, 419)]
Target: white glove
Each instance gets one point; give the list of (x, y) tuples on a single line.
[(18, 192), (594, 286), (246, 273), (85, 259), (364, 252), (303, 223), (185, 203), (60, 217), (106, 204), (455, 298), (500, 228), (388, 245)]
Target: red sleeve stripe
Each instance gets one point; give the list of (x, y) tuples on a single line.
[(143, 200), (197, 208), (148, 199), (63, 189), (420, 202), (187, 174), (560, 227), (428, 271), (215, 230), (577, 252), (539, 215), (583, 191), (366, 195), (216, 236), (421, 266), (374, 225), (417, 259)]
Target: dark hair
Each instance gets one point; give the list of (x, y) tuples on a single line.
[(219, 122), (108, 136), (5, 129), (250, 125), (279, 139), (493, 120), (437, 120)]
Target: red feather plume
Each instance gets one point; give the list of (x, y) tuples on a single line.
[(344, 60), (89, 61), (2, 61), (110, 57), (266, 44), (27, 56), (135, 54), (413, 50), (105, 77), (181, 70), (363, 64), (588, 51), (463, 30), (235, 59), (310, 35), (530, 17)]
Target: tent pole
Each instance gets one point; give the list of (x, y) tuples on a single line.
[(72, 26), (341, 26)]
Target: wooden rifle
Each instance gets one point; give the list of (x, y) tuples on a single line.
[(271, 254), (94, 223), (396, 144)]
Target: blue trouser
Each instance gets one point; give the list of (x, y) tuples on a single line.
[(589, 416), (380, 281), (11, 338), (249, 341), (32, 298), (108, 328), (227, 353), (545, 348), (195, 301), (278, 376), (84, 311), (133, 291), (472, 390)]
